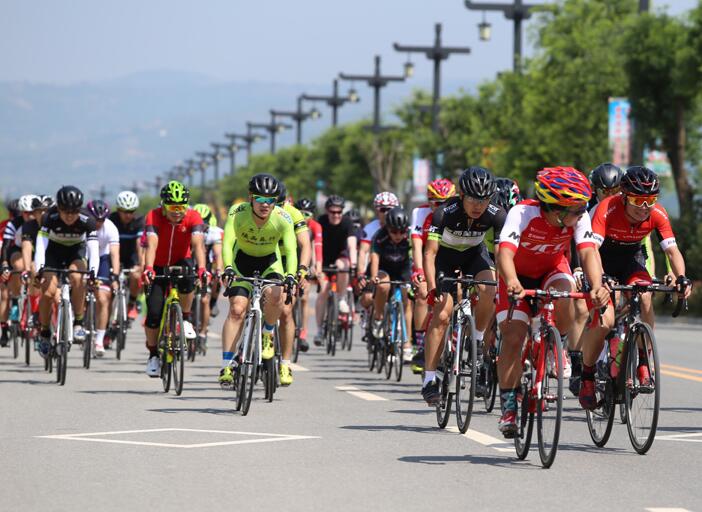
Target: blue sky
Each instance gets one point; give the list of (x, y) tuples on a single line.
[(300, 41)]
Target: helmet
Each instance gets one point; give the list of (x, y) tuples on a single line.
[(334, 200), (441, 189), (47, 201), (385, 200), (26, 202), (305, 205), (640, 181), (206, 214), (562, 186), (264, 185), (283, 194), (69, 198), (507, 194), (477, 182), (354, 215), (606, 176), (397, 219), (174, 192), (127, 200), (98, 209), (37, 203)]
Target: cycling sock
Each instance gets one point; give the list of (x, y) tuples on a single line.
[(186, 316), (479, 335), (226, 358), (576, 360), (429, 375), (286, 362), (508, 399), (419, 338), (303, 334), (99, 337), (153, 352), (78, 320), (267, 328)]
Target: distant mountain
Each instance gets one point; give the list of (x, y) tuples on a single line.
[(130, 129)]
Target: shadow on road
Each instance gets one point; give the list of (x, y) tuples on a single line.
[(403, 428), (28, 381), (205, 410), (470, 459)]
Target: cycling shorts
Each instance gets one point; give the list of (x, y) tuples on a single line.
[(626, 266), (61, 256), (157, 294), (469, 262), (245, 265)]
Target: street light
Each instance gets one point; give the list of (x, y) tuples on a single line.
[(484, 29), (203, 164), (517, 11), (298, 116), (216, 157), (377, 81), (334, 101), (409, 67), (272, 128), (190, 167), (232, 148), (249, 139)]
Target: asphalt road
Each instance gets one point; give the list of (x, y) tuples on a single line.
[(340, 438)]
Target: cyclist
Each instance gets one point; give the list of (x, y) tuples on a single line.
[(66, 233), (438, 192), (456, 243), (213, 258), (532, 253), (390, 261), (174, 234), (251, 245), (304, 249), (131, 229), (307, 208), (108, 270), (619, 224), (339, 250)]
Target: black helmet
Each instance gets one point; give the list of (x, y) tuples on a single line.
[(640, 181), (606, 176), (477, 182), (397, 219), (69, 198), (283, 194), (47, 201), (98, 209), (334, 200), (264, 185), (306, 205), (354, 215), (13, 207), (507, 194)]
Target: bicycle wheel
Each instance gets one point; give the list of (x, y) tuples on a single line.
[(465, 379), (251, 364), (525, 416), (549, 408), (600, 420), (165, 352), (490, 380), (400, 331), (297, 318), (389, 341), (443, 408), (89, 325), (121, 325), (64, 346), (329, 323), (269, 379), (372, 352), (196, 320), (178, 346), (642, 398)]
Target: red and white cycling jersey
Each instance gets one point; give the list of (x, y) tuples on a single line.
[(540, 247), (421, 221), (613, 231)]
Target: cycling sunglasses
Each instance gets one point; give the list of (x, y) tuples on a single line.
[(72, 211), (335, 212), (264, 200), (176, 208), (397, 231), (641, 201), (306, 215)]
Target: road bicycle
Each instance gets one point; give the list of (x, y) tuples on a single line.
[(628, 372), (118, 319), (394, 334), (89, 326), (333, 325), (198, 344), (28, 331)]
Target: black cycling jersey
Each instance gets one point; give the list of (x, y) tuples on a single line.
[(58, 232), (394, 258), (9, 237), (454, 230), (30, 230), (129, 235), (335, 237)]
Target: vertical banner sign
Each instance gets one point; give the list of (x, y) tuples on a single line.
[(620, 130), (420, 177)]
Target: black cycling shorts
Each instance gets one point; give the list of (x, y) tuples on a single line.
[(61, 256), (626, 266), (157, 295), (469, 262)]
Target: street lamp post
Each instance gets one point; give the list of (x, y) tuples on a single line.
[(377, 81), (232, 148), (249, 139), (272, 128), (437, 53), (190, 166), (644, 5), (216, 157), (517, 11), (298, 116), (203, 168), (334, 101)]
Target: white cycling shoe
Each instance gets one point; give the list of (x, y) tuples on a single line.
[(188, 330), (153, 367), (344, 307)]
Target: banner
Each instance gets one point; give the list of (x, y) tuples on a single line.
[(620, 131), (421, 172)]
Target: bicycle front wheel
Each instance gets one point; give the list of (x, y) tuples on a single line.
[(549, 408), (178, 347), (399, 340), (250, 369), (121, 325), (465, 378), (89, 325), (490, 379), (642, 389)]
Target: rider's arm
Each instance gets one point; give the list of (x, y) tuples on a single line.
[(430, 250), (151, 245), (303, 241), (289, 248), (363, 253), (677, 263), (93, 247), (217, 251), (229, 238), (318, 240), (197, 242), (351, 244), (27, 247), (417, 258), (374, 265), (40, 250), (114, 245), (591, 266)]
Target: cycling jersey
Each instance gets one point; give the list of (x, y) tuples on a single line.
[(242, 235), (129, 235), (173, 239), (453, 229), (316, 237), (421, 221), (107, 236), (369, 230), (66, 243), (297, 218), (213, 236), (11, 238), (394, 258), (335, 239), (29, 231)]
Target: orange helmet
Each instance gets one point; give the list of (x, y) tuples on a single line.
[(441, 189), (562, 186)]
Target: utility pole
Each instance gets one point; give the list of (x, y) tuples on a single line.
[(272, 128), (249, 139), (203, 167), (216, 157), (334, 101), (298, 116)]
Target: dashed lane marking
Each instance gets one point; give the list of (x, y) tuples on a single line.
[(680, 368), (665, 509), (363, 395), (680, 375), (297, 368), (496, 444), (685, 438)]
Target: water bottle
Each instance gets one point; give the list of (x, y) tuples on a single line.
[(536, 329)]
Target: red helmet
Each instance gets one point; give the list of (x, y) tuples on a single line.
[(562, 186), (440, 189)]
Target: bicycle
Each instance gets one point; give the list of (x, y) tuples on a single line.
[(541, 384), (196, 345), (14, 324), (630, 348), (119, 322), (27, 330), (62, 336), (332, 324), (89, 326), (246, 371), (459, 340), (487, 372), (346, 321), (394, 329)]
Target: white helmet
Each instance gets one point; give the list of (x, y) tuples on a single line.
[(28, 202), (385, 200), (127, 200)]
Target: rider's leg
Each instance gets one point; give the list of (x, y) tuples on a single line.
[(287, 330), (231, 332), (435, 334), (102, 312), (77, 290), (382, 291), (485, 307), (647, 314), (205, 311)]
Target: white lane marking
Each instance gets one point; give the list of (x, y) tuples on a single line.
[(92, 437), (664, 509), (682, 437), (296, 367), (497, 444), (363, 395)]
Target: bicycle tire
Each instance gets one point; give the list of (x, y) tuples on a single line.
[(27, 348), (352, 314), (465, 380), (372, 353), (179, 354), (121, 326), (525, 417), (642, 426), (328, 322), (15, 334), (268, 378), (251, 366), (164, 354), (388, 342), (399, 344), (64, 345), (297, 319), (443, 408), (551, 398), (490, 369), (89, 323), (600, 420)]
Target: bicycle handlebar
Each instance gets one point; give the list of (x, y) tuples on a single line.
[(655, 286), (549, 295)]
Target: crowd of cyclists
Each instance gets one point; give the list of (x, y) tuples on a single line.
[(572, 233)]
